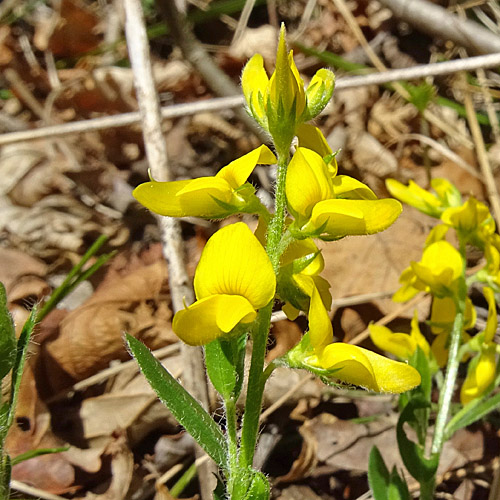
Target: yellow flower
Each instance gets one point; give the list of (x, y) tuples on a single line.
[(443, 314), (473, 220), (333, 207), (210, 197), (401, 345), (301, 265), (437, 272), (431, 204), (234, 279), (482, 369), (345, 362), (280, 104)]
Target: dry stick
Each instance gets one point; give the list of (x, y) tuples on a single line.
[(482, 156), (243, 21), (194, 52), (220, 103), (388, 318), (438, 22), (444, 151), (172, 243), (490, 110), (35, 492), (377, 62)]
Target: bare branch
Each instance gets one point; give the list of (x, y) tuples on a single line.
[(435, 21)]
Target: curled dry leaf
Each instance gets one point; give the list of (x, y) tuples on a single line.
[(92, 335), (32, 429), (69, 32)]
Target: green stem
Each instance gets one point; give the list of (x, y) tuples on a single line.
[(255, 389), (448, 388), (275, 231), (232, 440)]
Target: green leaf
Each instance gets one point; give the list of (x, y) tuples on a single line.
[(421, 95), (378, 475), (225, 365), (259, 487), (36, 453), (421, 468), (7, 336), (18, 368), (470, 413), (398, 489), (183, 406)]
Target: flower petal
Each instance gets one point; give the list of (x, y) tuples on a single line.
[(311, 137), (307, 182), (320, 325), (193, 198), (354, 217), (367, 369), (492, 321), (238, 171), (348, 188), (480, 375), (415, 196), (211, 318), (399, 344), (319, 92), (233, 262), (254, 82)]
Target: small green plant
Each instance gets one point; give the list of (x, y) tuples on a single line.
[(242, 276), (442, 273), (13, 354)]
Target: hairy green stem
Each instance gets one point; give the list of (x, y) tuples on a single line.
[(448, 388), (275, 231), (232, 440), (255, 389)]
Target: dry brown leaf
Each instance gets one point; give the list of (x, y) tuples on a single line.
[(92, 335), (32, 430), (371, 157), (307, 459), (129, 404), (122, 468), (69, 32), (298, 492), (287, 334), (21, 274)]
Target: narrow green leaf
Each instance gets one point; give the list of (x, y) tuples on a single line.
[(259, 487), (398, 489), (225, 365), (421, 468), (470, 413), (5, 473), (183, 406), (18, 368), (7, 336), (378, 475), (36, 453)]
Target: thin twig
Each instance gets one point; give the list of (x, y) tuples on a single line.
[(388, 318), (107, 373), (482, 156), (243, 21), (172, 243), (443, 150), (35, 492), (435, 21), (488, 101), (194, 52), (377, 62), (220, 103)]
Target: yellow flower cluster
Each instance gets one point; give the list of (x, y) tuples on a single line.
[(439, 272), (235, 278)]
